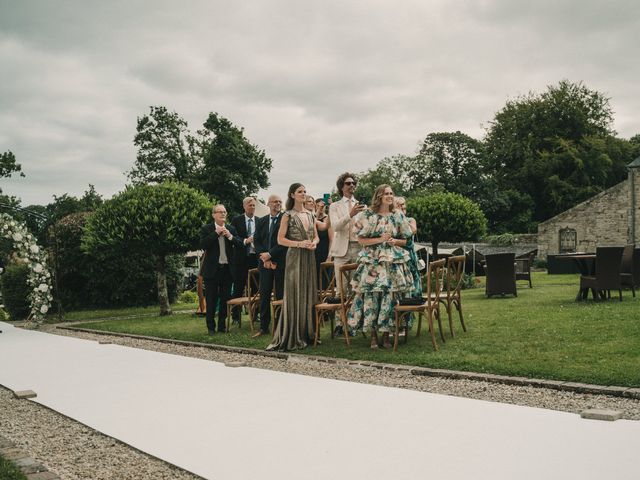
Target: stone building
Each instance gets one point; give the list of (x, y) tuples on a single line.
[(611, 217)]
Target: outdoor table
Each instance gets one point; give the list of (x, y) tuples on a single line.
[(586, 263)]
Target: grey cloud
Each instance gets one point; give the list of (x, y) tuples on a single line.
[(321, 86)]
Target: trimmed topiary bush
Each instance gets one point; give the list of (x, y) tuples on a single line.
[(447, 217)]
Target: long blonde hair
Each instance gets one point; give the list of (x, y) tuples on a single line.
[(376, 200)]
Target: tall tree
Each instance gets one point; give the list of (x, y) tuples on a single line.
[(8, 165), (391, 170), (635, 144), (233, 167), (218, 159), (554, 147), (156, 220), (453, 160), (165, 148)]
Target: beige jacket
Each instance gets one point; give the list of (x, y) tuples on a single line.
[(341, 223)]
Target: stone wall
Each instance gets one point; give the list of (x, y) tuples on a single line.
[(602, 220)]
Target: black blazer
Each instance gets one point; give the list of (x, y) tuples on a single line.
[(209, 243), (261, 238), (239, 223)]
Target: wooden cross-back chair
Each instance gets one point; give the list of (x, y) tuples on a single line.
[(202, 304), (250, 300), (430, 305), (276, 308), (452, 297), (328, 279), (345, 295)]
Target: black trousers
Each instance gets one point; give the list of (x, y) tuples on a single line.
[(269, 278), (240, 271), (218, 288)]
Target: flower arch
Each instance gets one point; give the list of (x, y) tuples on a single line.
[(39, 278)]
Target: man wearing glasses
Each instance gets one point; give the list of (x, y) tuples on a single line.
[(218, 239), (344, 247)]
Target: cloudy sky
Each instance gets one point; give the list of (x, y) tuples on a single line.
[(323, 86)]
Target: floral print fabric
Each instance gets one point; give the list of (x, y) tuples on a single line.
[(383, 273)]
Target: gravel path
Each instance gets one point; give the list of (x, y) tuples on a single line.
[(74, 451)]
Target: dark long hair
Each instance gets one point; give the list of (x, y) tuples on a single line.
[(292, 189)]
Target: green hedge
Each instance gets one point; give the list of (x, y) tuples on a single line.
[(112, 278), (15, 291)]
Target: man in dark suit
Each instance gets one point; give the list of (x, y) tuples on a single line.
[(246, 257), (217, 240), (271, 262)]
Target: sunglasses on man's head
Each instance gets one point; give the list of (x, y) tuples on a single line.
[(349, 183)]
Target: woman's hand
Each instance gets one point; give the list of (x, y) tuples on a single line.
[(308, 244), (385, 237)]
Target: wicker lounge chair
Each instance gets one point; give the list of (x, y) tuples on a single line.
[(607, 275), (523, 269), (630, 268), (501, 274)]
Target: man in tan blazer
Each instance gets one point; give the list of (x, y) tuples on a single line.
[(344, 246)]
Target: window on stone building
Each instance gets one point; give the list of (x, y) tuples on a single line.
[(568, 240)]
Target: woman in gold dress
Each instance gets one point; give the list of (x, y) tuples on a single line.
[(298, 232)]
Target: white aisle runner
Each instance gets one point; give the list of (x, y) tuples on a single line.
[(245, 423)]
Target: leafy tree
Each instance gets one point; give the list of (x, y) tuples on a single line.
[(218, 159), (390, 170), (165, 148), (507, 210), (233, 167), (447, 217), (635, 144), (157, 220), (9, 166), (554, 147), (66, 204), (454, 160)]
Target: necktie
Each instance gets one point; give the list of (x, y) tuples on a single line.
[(222, 259), (249, 233), (271, 224)]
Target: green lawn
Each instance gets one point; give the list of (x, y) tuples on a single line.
[(543, 333), (116, 312)]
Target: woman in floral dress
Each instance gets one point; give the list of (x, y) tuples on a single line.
[(383, 274)]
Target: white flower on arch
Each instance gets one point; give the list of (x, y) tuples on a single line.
[(39, 278)]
